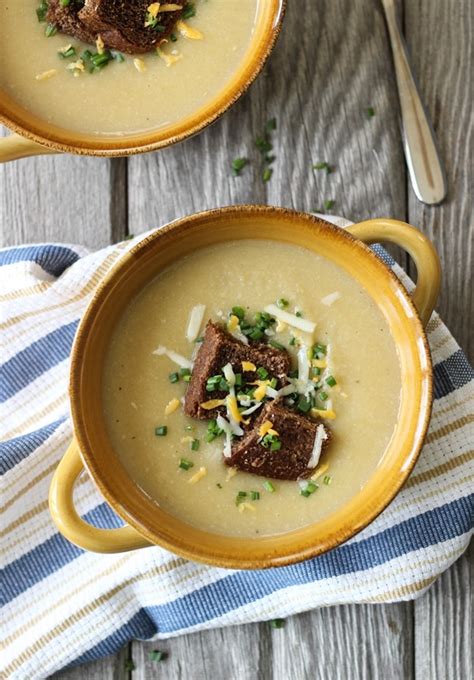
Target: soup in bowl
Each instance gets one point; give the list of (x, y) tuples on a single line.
[(250, 387), (114, 85)]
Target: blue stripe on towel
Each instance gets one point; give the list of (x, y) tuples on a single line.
[(53, 259), (34, 360), (242, 587), (48, 557), (15, 450), (451, 374)]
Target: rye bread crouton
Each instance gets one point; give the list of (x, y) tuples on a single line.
[(297, 434), (218, 349), (120, 23)]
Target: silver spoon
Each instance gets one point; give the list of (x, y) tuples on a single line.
[(424, 164)]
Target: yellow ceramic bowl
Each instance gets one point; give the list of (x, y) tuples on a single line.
[(36, 136), (146, 522)]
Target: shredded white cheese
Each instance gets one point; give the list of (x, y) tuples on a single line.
[(224, 425), (202, 472), (195, 320), (321, 436), (46, 75), (229, 374), (291, 319), (178, 359), (303, 364), (330, 299), (252, 409)]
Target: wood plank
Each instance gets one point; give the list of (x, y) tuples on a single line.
[(444, 70), (62, 198), (109, 668)]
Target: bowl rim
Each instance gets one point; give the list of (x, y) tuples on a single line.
[(119, 506), (153, 140)]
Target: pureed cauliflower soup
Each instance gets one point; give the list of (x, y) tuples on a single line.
[(269, 349), (126, 93)]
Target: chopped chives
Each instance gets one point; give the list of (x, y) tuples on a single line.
[(50, 30), (189, 10), (118, 56), (331, 381), (161, 431), (276, 344), (262, 373), (184, 371), (239, 312), (292, 341), (195, 445), (187, 378), (323, 166), (268, 486), (298, 313), (273, 383), (323, 396), (275, 445), (319, 349), (199, 339), (42, 10), (173, 37), (238, 379), (267, 174), (277, 623), (157, 655), (64, 3), (304, 405), (65, 54), (185, 464), (315, 371), (240, 497), (173, 377), (327, 479), (255, 495), (282, 303), (256, 334), (238, 164)]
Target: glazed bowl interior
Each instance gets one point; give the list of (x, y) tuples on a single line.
[(142, 264), (267, 26)]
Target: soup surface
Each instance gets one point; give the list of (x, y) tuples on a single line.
[(137, 387), (119, 98)]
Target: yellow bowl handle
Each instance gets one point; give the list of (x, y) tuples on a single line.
[(70, 524), (418, 247), (14, 147)]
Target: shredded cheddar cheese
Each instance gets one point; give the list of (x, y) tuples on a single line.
[(248, 366), (233, 408), (261, 391), (233, 323), (172, 406), (153, 9), (188, 32), (321, 470), (319, 363), (329, 413), (212, 403), (246, 506), (139, 64), (265, 428), (169, 59), (46, 75), (202, 472), (170, 7)]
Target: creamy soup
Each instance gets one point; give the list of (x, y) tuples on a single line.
[(137, 386), (120, 98)]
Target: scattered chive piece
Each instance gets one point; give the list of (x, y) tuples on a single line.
[(331, 381), (238, 164), (299, 314), (268, 486), (329, 204), (240, 497), (50, 30), (195, 445), (199, 339), (185, 464), (323, 166), (184, 371), (370, 112), (157, 655), (309, 489), (42, 10), (282, 303), (239, 312), (319, 349), (262, 372), (276, 344), (315, 371), (277, 623), (118, 56), (173, 37), (292, 341), (64, 3), (327, 479), (70, 52), (238, 379), (219, 485), (173, 377), (189, 10), (304, 405), (129, 665), (161, 431), (187, 378), (267, 174), (323, 396), (255, 495)]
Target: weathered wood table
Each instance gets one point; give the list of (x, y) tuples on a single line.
[(331, 64)]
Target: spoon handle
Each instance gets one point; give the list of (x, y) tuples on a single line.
[(424, 164)]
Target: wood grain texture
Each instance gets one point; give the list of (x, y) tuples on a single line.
[(332, 62)]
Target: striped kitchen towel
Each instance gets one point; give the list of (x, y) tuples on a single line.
[(64, 606)]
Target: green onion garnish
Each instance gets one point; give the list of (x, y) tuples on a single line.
[(262, 373), (199, 339), (267, 174), (319, 349), (185, 464), (65, 54), (282, 303), (161, 431), (50, 30), (157, 655), (268, 486), (184, 371), (298, 313), (64, 3), (309, 489), (195, 445), (173, 37), (275, 344), (304, 405), (173, 377), (255, 495), (277, 623), (238, 164), (323, 166), (331, 381), (327, 479), (189, 10), (240, 497), (323, 396), (292, 341), (219, 485), (239, 312), (42, 10)]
